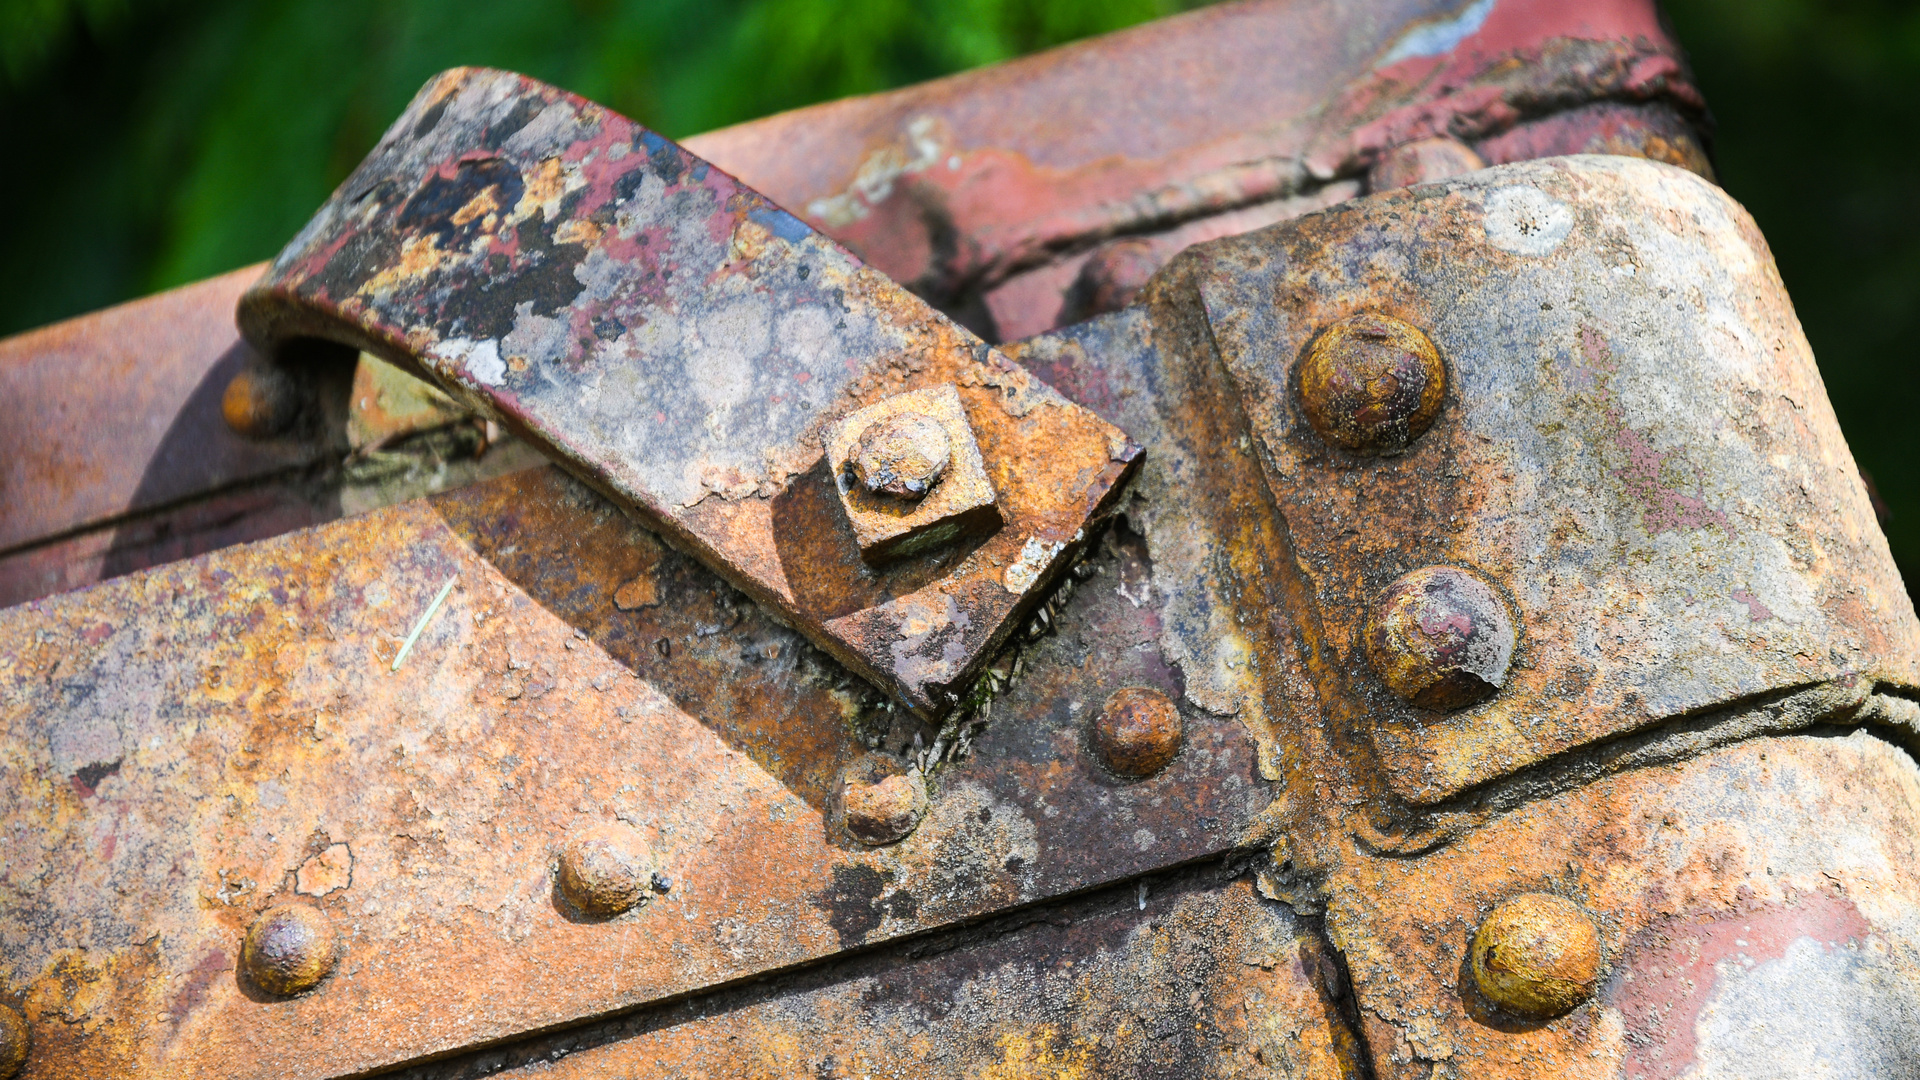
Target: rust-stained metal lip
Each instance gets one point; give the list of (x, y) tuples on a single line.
[(684, 345)]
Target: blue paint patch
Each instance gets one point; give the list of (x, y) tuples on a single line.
[(1435, 38), (780, 223)]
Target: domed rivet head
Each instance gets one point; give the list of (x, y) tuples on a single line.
[(605, 870), (1137, 731), (15, 1040), (881, 806), (1537, 956), (1371, 383), (1441, 638), (902, 455), (260, 402), (288, 949)]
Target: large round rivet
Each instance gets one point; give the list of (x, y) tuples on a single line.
[(1371, 383), (1537, 956), (288, 949), (15, 1040), (260, 402), (902, 455), (1441, 638), (880, 805), (1137, 731), (605, 869)]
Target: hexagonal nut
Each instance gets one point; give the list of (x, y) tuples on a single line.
[(289, 949), (605, 870), (875, 456), (1537, 956)]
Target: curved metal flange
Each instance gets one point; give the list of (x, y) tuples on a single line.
[(683, 344)]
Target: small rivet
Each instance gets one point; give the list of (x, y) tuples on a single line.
[(1371, 383), (288, 949), (1537, 956), (1137, 731), (605, 869), (1440, 638), (902, 455), (881, 808), (15, 1040), (260, 402)]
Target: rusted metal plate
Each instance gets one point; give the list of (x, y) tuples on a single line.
[(1187, 974), (1002, 213), (1758, 913), (1635, 451), (683, 344), (199, 742), (1110, 132), (99, 405)]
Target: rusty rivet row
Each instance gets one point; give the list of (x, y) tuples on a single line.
[(1537, 956)]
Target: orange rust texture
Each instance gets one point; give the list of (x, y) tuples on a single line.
[(1734, 894), (199, 742), (1626, 523), (1188, 977)]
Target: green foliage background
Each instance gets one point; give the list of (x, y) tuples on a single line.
[(154, 142)]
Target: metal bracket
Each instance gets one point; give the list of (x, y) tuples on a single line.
[(686, 346)]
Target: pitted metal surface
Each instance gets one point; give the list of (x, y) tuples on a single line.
[(685, 345)]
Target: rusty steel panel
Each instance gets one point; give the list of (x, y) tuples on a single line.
[(1188, 974), (1635, 450), (685, 345), (1758, 914), (1008, 213), (98, 404), (197, 743)]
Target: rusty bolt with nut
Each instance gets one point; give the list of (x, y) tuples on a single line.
[(1441, 638), (605, 870), (880, 805), (1537, 956), (288, 949), (1371, 383), (1137, 732), (902, 455)]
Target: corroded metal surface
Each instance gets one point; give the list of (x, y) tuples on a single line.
[(197, 743), (1758, 911), (684, 345), (1179, 975), (1636, 450)]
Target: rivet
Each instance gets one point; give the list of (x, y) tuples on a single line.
[(260, 402), (1371, 383), (881, 806), (605, 869), (1137, 731), (15, 1040), (1440, 638), (902, 455), (288, 949), (1537, 956)]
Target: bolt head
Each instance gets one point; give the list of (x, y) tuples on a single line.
[(1371, 383), (902, 455), (260, 402), (288, 949), (1137, 732), (882, 809), (1537, 956), (605, 870), (15, 1041), (1441, 638)]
